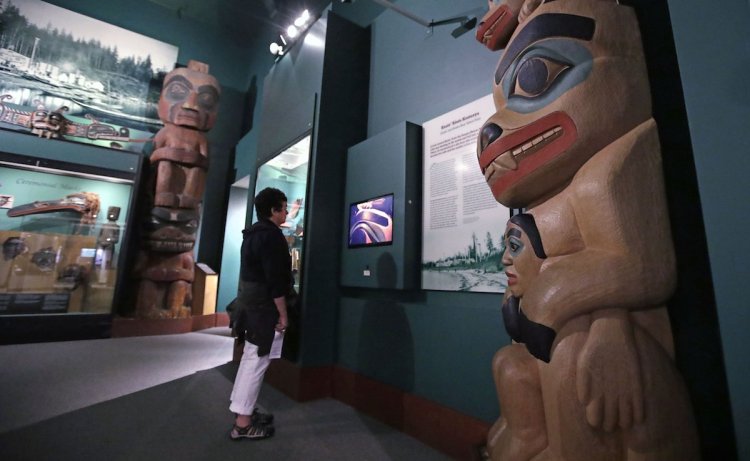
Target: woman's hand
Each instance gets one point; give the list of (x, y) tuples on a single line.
[(282, 324)]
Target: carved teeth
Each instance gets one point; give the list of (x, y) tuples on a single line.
[(509, 159), (488, 35), (535, 143)]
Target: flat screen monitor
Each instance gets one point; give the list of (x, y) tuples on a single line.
[(371, 222)]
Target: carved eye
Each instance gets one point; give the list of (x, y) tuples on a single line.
[(177, 91), (207, 100), (515, 246), (535, 75)]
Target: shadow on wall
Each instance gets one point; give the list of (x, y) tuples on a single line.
[(386, 345)]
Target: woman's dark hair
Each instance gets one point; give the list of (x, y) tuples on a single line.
[(526, 222), (267, 200)]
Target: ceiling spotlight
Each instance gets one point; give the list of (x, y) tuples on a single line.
[(276, 49), (292, 34), (302, 20)]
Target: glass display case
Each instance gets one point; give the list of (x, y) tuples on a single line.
[(287, 172), (61, 230)]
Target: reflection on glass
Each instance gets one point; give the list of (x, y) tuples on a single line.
[(287, 172)]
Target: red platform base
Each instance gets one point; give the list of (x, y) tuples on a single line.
[(123, 327)]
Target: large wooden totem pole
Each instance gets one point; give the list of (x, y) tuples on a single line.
[(590, 374), (165, 267)]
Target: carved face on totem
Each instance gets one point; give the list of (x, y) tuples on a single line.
[(171, 230), (571, 80), (523, 254), (190, 99)]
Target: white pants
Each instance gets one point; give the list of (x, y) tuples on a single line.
[(248, 381)]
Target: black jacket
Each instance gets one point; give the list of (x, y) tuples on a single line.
[(265, 258), (265, 274)]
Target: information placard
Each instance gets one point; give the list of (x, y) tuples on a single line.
[(462, 224)]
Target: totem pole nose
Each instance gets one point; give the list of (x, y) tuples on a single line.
[(490, 133), (191, 102)]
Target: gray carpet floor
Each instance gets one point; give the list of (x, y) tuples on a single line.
[(166, 398)]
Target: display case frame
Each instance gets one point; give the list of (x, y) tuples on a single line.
[(291, 176), (289, 171), (69, 271)]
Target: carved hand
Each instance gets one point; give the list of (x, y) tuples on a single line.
[(609, 378)]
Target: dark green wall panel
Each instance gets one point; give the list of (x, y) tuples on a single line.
[(436, 346), (388, 163), (453, 336), (341, 123), (714, 58)]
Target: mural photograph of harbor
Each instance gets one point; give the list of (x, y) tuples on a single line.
[(478, 267), (68, 76)]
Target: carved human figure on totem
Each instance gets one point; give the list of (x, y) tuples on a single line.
[(521, 432), (591, 373), (188, 106), (165, 289)]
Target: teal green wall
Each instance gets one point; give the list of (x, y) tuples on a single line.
[(433, 344), (417, 76), (713, 50), (438, 345), (340, 123)]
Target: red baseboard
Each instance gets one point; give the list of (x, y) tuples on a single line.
[(124, 327), (222, 319), (299, 383), (381, 401), (201, 322), (447, 430)]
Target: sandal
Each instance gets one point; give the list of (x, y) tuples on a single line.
[(252, 431)]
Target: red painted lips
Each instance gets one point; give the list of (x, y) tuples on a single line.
[(516, 155)]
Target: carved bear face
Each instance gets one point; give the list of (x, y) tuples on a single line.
[(571, 80)]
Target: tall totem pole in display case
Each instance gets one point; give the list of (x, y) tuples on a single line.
[(590, 374), (188, 106)]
